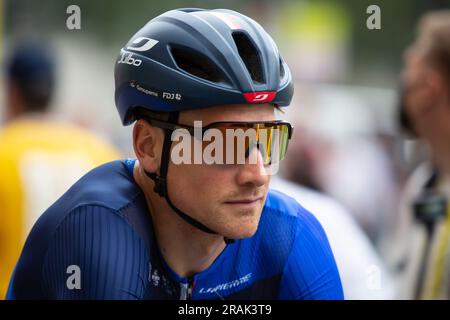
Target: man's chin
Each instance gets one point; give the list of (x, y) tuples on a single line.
[(247, 234), (242, 230), (239, 224)]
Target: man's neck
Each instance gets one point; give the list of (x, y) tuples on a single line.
[(185, 249)]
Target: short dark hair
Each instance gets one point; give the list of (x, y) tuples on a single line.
[(31, 68)]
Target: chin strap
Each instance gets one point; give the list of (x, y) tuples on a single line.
[(161, 181)]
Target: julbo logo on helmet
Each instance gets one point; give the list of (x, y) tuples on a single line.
[(127, 58), (259, 97)]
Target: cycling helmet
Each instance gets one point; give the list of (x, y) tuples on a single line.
[(194, 58)]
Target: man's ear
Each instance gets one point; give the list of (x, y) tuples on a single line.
[(147, 144)]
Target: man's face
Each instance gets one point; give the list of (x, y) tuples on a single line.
[(423, 91), (226, 198), (424, 95)]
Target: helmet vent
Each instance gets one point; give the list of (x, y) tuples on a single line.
[(249, 55), (281, 69), (196, 64)]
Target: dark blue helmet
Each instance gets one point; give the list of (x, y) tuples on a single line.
[(194, 58)]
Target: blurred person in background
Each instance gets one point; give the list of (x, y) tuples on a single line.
[(424, 250), (40, 157)]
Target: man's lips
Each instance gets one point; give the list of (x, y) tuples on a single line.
[(244, 201)]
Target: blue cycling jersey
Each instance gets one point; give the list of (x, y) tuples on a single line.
[(101, 231)]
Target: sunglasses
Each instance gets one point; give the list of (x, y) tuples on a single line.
[(239, 139)]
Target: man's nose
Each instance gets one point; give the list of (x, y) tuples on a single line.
[(253, 171)]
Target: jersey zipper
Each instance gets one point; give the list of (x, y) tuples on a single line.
[(186, 289)]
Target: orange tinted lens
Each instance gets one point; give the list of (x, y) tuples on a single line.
[(239, 141)]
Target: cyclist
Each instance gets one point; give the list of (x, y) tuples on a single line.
[(153, 228)]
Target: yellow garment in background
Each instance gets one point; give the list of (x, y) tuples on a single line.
[(437, 284), (437, 278), (39, 161)]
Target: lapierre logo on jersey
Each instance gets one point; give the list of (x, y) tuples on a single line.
[(259, 97), (227, 285), (127, 58), (146, 44)]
